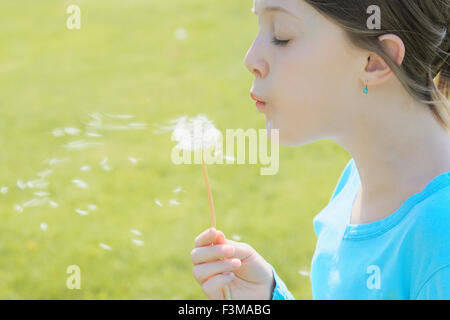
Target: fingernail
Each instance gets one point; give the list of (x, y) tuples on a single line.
[(235, 263)]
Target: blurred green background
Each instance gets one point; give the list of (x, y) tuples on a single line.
[(128, 59)]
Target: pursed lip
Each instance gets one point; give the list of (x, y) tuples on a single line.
[(256, 98)]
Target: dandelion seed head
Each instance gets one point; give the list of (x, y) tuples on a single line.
[(4, 190), (158, 203), (195, 133), (18, 208), (92, 207)]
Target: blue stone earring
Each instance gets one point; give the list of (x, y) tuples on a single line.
[(365, 89)]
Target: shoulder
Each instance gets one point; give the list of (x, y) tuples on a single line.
[(428, 239)]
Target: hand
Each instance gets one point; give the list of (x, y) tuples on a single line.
[(219, 262)]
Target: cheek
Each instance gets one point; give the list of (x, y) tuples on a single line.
[(308, 80)]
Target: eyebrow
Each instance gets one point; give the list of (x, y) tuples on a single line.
[(272, 9)]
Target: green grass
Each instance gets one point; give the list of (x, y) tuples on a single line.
[(125, 59)]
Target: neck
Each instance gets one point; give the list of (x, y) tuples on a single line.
[(396, 157)]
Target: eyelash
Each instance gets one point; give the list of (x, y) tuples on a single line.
[(278, 42)]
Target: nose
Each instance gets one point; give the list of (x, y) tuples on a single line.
[(255, 63)]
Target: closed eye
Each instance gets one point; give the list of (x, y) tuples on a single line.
[(279, 42)]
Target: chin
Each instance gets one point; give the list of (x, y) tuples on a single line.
[(287, 138)]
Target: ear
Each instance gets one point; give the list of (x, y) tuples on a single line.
[(377, 70)]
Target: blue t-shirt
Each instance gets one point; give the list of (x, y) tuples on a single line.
[(405, 255)]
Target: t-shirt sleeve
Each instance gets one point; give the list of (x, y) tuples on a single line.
[(437, 286), (343, 178), (280, 292)]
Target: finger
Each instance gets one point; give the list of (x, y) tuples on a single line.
[(203, 271), (206, 238), (211, 253), (213, 287), (242, 250), (221, 239)]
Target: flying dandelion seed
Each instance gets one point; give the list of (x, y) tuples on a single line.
[(85, 168), (4, 190), (81, 144), (104, 165), (80, 183), (21, 185), (303, 273), (105, 246), (44, 173), (134, 160), (174, 202), (58, 132), (119, 116), (158, 203), (236, 237), (18, 208), (103, 162), (41, 194), (92, 207), (53, 204), (181, 34), (226, 157), (137, 125), (94, 134), (82, 212), (96, 116), (34, 202), (72, 131), (138, 242), (55, 161), (44, 226), (136, 232), (178, 189), (38, 184)]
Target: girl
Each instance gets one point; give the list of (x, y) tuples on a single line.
[(322, 71)]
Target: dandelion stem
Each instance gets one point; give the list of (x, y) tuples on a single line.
[(225, 290), (210, 198)]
